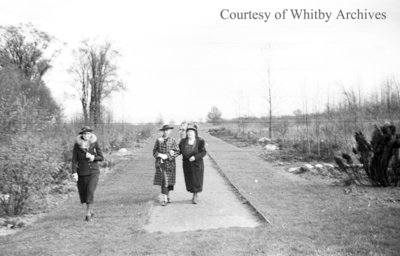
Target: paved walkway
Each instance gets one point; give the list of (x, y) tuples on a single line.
[(218, 207)]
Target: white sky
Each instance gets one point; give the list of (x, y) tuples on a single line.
[(179, 58)]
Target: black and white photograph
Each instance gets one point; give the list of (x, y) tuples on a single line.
[(199, 128)]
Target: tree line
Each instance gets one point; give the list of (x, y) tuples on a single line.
[(35, 139), (26, 56)]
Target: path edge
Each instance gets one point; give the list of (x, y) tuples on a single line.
[(259, 214)]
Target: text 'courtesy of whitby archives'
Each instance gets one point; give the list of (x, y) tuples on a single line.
[(303, 14)]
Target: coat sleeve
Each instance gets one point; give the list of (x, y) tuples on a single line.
[(175, 148), (202, 150), (155, 149), (99, 153), (74, 159), (181, 146)]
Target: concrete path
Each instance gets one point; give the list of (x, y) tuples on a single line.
[(218, 207)]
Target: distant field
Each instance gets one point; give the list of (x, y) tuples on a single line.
[(322, 138)]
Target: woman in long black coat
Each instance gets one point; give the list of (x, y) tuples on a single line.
[(85, 170), (193, 151)]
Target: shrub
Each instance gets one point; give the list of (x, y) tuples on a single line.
[(221, 131), (379, 158), (144, 133), (114, 137), (27, 166)]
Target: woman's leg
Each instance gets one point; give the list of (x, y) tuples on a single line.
[(93, 180), (194, 199), (164, 192), (89, 209), (82, 188), (170, 187)]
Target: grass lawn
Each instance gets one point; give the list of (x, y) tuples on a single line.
[(307, 218)]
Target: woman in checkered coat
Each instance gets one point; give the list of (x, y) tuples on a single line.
[(165, 151)]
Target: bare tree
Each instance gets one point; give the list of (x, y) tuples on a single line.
[(353, 109), (95, 71), (306, 119), (242, 113), (390, 95), (80, 71), (269, 99), (269, 86)]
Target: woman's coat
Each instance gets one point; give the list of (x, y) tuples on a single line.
[(193, 171), (168, 166), (80, 163)]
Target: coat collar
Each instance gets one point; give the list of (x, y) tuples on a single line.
[(83, 143), (195, 146)]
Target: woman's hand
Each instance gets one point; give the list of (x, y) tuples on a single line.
[(75, 176), (172, 153), (163, 156), (90, 156), (191, 159)]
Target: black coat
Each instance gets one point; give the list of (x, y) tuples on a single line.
[(193, 171), (80, 163)]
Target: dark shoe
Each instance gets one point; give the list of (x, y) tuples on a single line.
[(164, 203), (88, 218), (169, 200)]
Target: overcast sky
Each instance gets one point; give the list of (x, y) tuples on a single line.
[(179, 58)]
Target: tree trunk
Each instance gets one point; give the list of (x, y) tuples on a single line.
[(85, 111), (270, 103), (92, 108)]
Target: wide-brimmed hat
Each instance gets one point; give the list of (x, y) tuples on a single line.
[(85, 129), (166, 127)]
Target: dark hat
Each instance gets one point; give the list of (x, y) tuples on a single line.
[(192, 127), (166, 127), (85, 129)]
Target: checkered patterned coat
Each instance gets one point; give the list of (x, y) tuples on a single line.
[(165, 169)]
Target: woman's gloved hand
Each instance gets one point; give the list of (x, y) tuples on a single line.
[(75, 176), (90, 156), (163, 156)]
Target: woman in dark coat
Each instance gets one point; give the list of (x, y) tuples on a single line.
[(193, 151), (85, 169)]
